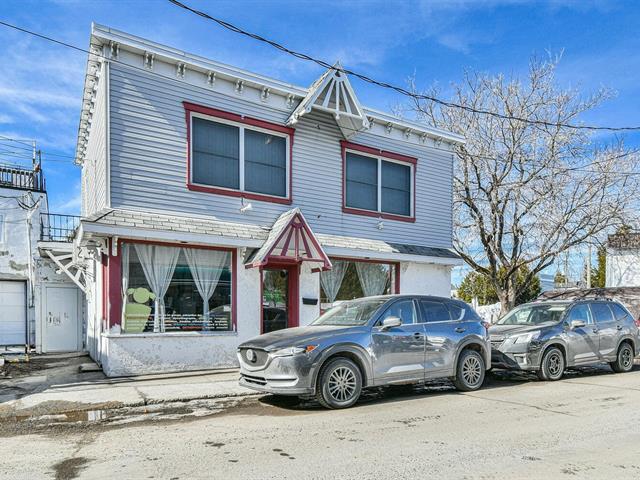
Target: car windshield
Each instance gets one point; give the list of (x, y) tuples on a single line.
[(534, 315), (350, 313)]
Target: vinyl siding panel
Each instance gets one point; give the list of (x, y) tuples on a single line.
[(148, 164), (94, 170)]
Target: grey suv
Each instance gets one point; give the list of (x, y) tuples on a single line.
[(547, 337), (370, 342)]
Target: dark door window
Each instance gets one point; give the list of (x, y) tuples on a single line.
[(434, 311), (404, 310), (601, 313)]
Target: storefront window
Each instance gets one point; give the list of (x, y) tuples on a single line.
[(174, 289), (349, 279)]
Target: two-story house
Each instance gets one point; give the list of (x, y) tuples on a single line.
[(220, 203)]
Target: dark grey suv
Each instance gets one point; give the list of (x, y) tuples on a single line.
[(547, 337), (370, 342)]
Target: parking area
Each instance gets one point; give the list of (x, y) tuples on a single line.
[(585, 426)]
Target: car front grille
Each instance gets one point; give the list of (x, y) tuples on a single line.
[(258, 360), (496, 341)]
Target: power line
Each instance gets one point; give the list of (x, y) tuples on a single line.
[(324, 64), (17, 140), (401, 90)]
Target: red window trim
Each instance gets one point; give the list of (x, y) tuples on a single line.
[(115, 278), (213, 112), (345, 145)]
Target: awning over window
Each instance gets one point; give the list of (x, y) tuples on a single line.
[(291, 241)]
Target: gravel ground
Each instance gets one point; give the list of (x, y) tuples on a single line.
[(585, 426)]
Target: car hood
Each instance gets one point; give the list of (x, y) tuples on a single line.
[(506, 330), (292, 337)]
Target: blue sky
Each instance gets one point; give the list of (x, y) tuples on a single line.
[(41, 83)]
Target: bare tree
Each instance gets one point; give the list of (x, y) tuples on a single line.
[(525, 192)]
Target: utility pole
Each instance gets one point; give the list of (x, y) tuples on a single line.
[(589, 267)]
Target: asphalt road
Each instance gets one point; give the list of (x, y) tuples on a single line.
[(585, 426)]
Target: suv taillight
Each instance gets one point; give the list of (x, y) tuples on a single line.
[(638, 322)]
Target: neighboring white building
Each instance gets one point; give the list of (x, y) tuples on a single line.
[(40, 309), (623, 260), (219, 204)]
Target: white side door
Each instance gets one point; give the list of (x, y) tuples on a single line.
[(61, 329), (13, 313)]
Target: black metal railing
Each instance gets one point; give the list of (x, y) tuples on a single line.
[(22, 178), (58, 228)]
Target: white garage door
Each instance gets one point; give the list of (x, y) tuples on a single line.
[(13, 313)]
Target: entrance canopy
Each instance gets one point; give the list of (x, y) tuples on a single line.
[(291, 241)]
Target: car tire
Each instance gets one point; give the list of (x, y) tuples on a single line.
[(470, 371), (552, 365), (339, 384), (624, 360)]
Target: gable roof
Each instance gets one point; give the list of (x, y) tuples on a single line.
[(291, 239), (333, 93)]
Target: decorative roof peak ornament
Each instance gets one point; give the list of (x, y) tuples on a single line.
[(333, 93)]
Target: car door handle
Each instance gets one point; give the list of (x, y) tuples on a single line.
[(595, 330), (460, 330), (418, 335), (619, 327)]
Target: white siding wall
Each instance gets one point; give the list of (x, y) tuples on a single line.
[(148, 163), (309, 288), (623, 268), (425, 279), (94, 169)]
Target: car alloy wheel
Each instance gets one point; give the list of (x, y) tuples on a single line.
[(552, 365), (339, 383), (342, 384), (471, 370), (624, 362)]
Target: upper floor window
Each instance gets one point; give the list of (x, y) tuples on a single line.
[(378, 183), (234, 155)]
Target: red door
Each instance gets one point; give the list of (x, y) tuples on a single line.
[(279, 297)]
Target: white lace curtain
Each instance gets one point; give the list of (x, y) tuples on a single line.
[(331, 280), (158, 264), (206, 267), (373, 277)]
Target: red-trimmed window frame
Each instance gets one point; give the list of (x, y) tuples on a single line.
[(238, 120), (384, 155), (114, 292)]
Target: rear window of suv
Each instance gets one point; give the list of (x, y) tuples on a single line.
[(620, 314)]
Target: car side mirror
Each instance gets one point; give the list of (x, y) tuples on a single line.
[(391, 322), (578, 324)]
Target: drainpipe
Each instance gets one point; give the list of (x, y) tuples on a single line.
[(30, 275)]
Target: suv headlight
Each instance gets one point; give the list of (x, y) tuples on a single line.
[(525, 337), (290, 351)]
